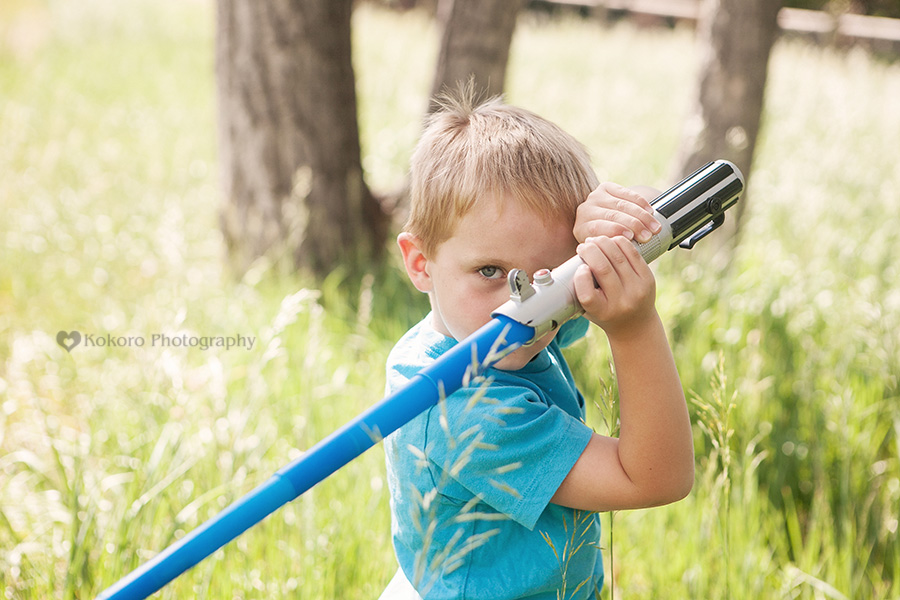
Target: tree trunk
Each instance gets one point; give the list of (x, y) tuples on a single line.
[(289, 138), (735, 39), (475, 40), (474, 44)]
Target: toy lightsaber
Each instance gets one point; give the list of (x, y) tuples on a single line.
[(687, 212)]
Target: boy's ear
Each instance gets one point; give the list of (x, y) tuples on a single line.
[(415, 261)]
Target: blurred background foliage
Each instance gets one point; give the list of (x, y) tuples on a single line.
[(109, 193)]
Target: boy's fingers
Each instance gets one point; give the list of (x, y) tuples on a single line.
[(632, 223), (613, 210), (616, 262), (616, 251), (614, 281), (638, 265), (605, 261), (589, 295), (628, 194), (596, 227)]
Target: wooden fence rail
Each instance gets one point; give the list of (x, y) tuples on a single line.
[(879, 33)]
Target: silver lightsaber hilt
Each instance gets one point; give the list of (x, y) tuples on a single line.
[(688, 211)]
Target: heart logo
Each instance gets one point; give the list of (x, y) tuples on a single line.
[(68, 340)]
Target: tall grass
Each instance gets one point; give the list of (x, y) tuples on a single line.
[(791, 349)]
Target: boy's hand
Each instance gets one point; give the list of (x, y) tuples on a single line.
[(612, 210), (615, 285)]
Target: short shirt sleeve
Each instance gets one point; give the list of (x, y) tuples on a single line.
[(504, 444)]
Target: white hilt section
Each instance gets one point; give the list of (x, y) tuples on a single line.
[(550, 300)]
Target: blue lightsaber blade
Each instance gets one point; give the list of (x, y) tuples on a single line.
[(423, 391), (687, 212)]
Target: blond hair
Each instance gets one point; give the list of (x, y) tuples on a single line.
[(471, 152)]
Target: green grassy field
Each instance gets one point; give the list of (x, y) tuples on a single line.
[(108, 188)]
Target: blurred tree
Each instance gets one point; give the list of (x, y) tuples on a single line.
[(735, 38), (289, 138), (475, 41), (474, 44)]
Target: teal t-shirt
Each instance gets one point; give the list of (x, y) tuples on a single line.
[(471, 480)]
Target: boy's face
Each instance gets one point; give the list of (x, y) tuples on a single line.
[(466, 276)]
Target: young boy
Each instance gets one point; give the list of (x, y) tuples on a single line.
[(493, 491)]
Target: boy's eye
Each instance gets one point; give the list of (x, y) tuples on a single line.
[(491, 272)]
